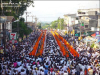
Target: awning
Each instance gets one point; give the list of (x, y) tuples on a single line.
[(93, 35)]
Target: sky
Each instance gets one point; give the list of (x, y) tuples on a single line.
[(48, 11)]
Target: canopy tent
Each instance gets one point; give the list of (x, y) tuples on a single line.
[(94, 35), (89, 39)]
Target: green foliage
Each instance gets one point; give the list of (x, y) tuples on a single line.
[(23, 29), (39, 25), (92, 45), (46, 26), (54, 24), (57, 24), (16, 11)]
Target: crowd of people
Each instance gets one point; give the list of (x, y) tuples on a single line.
[(17, 60)]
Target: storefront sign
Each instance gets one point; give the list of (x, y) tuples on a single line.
[(13, 36)]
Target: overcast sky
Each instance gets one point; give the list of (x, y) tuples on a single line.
[(47, 11)]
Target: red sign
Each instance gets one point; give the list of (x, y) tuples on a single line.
[(13, 36)]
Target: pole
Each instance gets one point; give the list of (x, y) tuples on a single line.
[(26, 22), (80, 31), (18, 31), (60, 25), (4, 37)]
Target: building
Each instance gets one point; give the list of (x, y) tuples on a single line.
[(69, 21), (92, 11), (89, 17), (31, 25), (99, 20), (8, 26)]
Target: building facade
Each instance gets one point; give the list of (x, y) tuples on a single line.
[(89, 17), (8, 28)]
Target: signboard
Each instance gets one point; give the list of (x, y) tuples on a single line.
[(12, 41), (13, 36)]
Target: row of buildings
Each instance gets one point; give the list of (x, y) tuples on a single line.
[(84, 21)]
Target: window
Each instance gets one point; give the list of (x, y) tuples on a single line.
[(86, 18), (86, 26), (79, 12), (83, 13)]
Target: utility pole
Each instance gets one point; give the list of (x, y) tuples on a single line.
[(36, 21), (26, 19), (32, 19)]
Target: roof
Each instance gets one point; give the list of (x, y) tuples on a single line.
[(30, 23), (72, 15), (10, 18), (91, 16)]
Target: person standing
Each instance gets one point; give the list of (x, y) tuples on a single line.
[(77, 69)]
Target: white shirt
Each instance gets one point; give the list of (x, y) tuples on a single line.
[(34, 72), (38, 72), (64, 68), (41, 67), (23, 73), (19, 63), (42, 73), (65, 73), (81, 73), (19, 68), (73, 71), (83, 67)]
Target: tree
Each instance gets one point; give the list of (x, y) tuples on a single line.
[(23, 29), (16, 11), (57, 23), (39, 25), (54, 24), (62, 23)]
